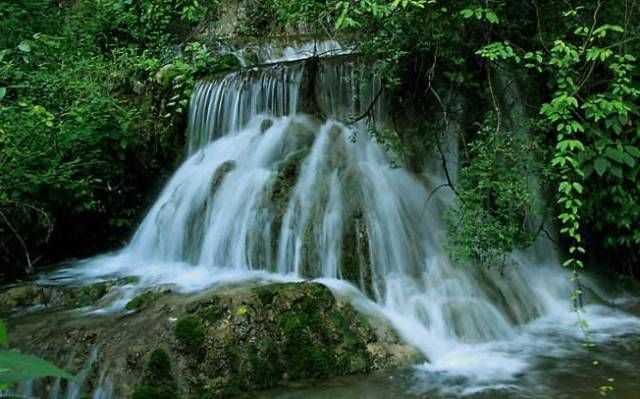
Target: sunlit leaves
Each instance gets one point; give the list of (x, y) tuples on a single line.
[(24, 47), (601, 31), (480, 14), (415, 3), (498, 51)]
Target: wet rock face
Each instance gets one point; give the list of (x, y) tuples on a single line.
[(265, 125), (273, 334), (33, 295), (221, 173), (215, 344)]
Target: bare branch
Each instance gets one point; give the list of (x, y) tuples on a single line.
[(29, 268)]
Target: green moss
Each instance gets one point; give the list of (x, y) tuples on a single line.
[(318, 362), (15, 297), (142, 300), (158, 383), (295, 331), (310, 350), (288, 171), (85, 296), (154, 392), (265, 294), (355, 260), (317, 296), (348, 339), (211, 313), (350, 363), (159, 367), (266, 367), (190, 332)]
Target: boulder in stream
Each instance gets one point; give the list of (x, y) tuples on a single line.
[(219, 343)]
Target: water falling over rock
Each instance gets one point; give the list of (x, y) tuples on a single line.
[(269, 191)]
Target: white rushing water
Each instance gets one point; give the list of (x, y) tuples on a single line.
[(274, 52), (271, 194)]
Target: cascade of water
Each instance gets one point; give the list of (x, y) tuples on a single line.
[(351, 92), (272, 52), (270, 190), (73, 388), (223, 106)]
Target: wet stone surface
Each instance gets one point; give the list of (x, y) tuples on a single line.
[(213, 344)]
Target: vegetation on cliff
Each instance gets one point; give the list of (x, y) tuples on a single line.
[(93, 97)]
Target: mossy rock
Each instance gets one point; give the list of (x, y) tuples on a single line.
[(280, 190), (272, 334), (21, 296), (220, 173), (32, 294), (142, 300), (190, 333), (222, 343), (266, 125), (85, 296)]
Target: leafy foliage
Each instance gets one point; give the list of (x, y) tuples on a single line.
[(497, 193), (93, 97), (17, 367), (92, 111), (592, 110)]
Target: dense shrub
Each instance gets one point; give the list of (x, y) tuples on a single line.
[(86, 125)]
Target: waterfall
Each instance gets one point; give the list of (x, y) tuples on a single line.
[(224, 106), (272, 52), (272, 193)]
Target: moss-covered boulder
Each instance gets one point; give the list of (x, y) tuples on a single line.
[(30, 295), (220, 343), (147, 297), (269, 335)]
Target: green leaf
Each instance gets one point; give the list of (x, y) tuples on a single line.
[(492, 17), (616, 171), (601, 165), (633, 151), (24, 47), (4, 338), (629, 160), (614, 153), (3, 92), (466, 13), (578, 187), (16, 367)]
